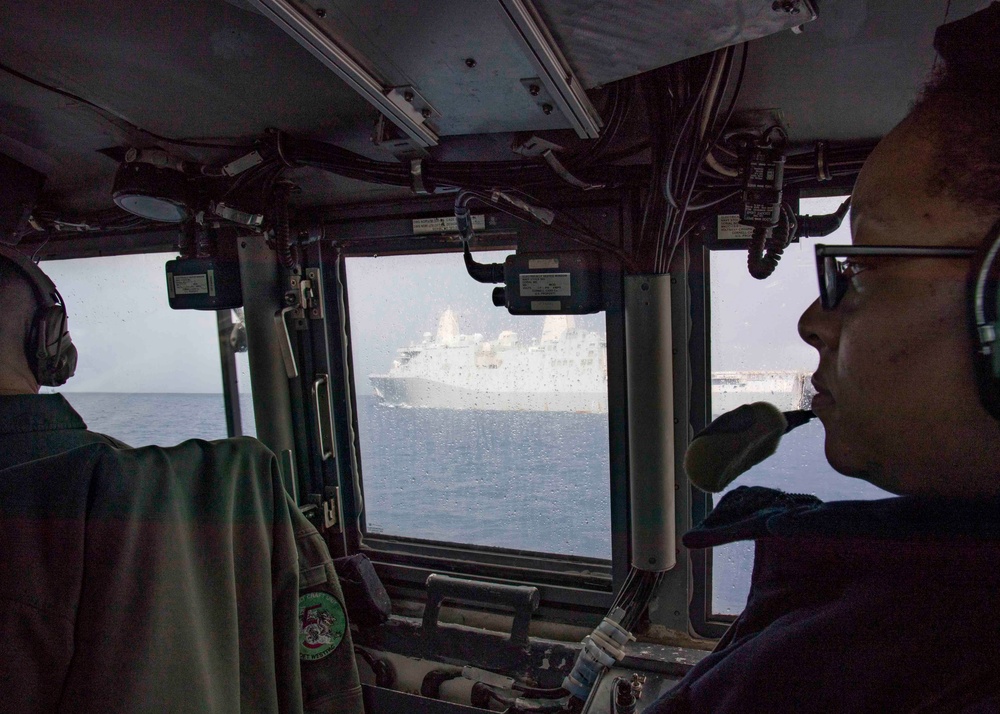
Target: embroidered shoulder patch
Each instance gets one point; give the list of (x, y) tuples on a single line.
[(322, 624)]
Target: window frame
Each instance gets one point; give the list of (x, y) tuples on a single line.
[(704, 621), (574, 589)]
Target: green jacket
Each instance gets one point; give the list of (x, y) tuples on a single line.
[(158, 579)]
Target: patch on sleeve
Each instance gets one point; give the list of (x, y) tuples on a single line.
[(322, 624)]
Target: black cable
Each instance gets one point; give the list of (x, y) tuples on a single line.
[(384, 675), (768, 244), (713, 202), (540, 692), (585, 238), (430, 687), (282, 229)]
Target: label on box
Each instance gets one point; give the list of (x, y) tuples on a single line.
[(445, 224), (191, 284), (545, 285), (546, 305), (543, 264), (729, 228)]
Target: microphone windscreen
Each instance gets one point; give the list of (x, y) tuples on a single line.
[(734, 443)]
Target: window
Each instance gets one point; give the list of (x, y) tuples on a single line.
[(147, 374), (477, 427), (757, 355)]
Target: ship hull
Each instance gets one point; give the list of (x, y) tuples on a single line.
[(417, 392)]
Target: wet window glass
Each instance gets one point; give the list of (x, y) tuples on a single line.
[(757, 355), (147, 374), (477, 426)]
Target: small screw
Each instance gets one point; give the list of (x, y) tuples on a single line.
[(425, 113), (534, 90), (408, 95), (470, 63), (320, 12), (546, 109)]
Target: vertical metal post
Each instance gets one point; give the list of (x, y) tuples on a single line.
[(263, 292), (230, 381), (649, 364)]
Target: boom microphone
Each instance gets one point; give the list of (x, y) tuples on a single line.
[(736, 441)]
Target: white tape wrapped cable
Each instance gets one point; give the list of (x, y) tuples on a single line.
[(601, 649)]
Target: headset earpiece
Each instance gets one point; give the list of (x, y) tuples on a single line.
[(50, 350), (55, 355), (984, 313)]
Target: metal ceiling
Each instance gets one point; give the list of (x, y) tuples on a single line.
[(220, 69)]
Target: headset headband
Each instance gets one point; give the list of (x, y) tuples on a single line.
[(43, 286)]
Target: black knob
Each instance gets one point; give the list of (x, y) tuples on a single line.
[(500, 297)]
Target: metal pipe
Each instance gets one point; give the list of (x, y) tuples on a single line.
[(230, 382), (263, 292), (649, 365)]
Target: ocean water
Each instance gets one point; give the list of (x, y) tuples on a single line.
[(526, 480), (522, 480), (160, 419)]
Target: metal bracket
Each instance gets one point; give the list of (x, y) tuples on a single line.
[(408, 99), (324, 514), (539, 94), (417, 176), (305, 296), (535, 146), (331, 510)]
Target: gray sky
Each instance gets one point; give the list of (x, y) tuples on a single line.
[(128, 337), (131, 341)]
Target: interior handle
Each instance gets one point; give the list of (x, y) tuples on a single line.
[(522, 599)]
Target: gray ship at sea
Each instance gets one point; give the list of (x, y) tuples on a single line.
[(566, 370)]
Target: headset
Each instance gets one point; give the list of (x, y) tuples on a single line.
[(49, 349), (984, 311)]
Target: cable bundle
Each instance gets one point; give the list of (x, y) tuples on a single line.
[(684, 107)]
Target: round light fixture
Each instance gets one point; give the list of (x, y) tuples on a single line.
[(153, 192)]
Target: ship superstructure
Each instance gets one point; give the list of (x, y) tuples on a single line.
[(563, 371), (566, 370), (785, 389)]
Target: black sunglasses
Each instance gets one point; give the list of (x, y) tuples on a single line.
[(835, 277)]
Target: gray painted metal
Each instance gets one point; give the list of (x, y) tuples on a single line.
[(554, 71), (216, 69), (425, 45), (306, 25), (650, 374), (670, 607), (262, 295), (607, 41), (230, 385)]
